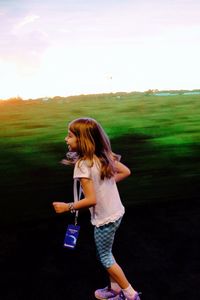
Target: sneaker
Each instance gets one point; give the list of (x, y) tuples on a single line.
[(120, 297), (106, 293), (136, 297)]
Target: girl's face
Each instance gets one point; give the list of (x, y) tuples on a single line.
[(71, 141)]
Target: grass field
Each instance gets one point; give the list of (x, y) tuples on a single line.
[(158, 138), (158, 241)]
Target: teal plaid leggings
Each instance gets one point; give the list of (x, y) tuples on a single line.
[(104, 238)]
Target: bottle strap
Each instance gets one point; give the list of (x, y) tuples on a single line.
[(77, 197)]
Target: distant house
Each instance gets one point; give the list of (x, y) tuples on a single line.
[(45, 99)]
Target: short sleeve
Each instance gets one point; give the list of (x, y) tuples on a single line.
[(82, 170)]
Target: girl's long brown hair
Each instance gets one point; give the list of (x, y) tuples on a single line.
[(93, 143)]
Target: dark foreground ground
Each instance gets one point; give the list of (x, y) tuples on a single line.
[(157, 246)]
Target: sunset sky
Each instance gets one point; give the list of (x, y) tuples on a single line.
[(70, 47)]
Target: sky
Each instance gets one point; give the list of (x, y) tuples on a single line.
[(70, 47)]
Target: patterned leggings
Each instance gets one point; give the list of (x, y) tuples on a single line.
[(104, 238)]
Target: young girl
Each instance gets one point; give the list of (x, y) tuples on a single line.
[(98, 170)]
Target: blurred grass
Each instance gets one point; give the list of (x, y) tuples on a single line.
[(158, 138)]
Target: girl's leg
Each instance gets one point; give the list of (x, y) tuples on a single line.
[(104, 238), (117, 275)]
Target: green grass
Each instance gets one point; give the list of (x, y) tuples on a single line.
[(158, 138)]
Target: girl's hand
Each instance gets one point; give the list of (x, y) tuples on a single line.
[(60, 207)]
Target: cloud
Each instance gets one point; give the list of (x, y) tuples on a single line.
[(26, 20), (2, 13)]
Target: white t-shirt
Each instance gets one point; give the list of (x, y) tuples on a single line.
[(108, 207)]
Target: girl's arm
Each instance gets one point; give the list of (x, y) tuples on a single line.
[(122, 171), (88, 201)]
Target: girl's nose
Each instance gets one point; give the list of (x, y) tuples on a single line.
[(66, 139)]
